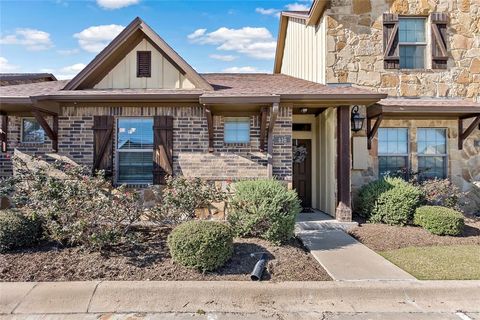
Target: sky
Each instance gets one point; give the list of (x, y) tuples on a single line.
[(62, 36)]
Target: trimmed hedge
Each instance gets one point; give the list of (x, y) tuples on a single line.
[(263, 208), (439, 220), (391, 200), (17, 230), (205, 245)]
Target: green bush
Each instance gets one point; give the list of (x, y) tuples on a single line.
[(441, 192), (263, 208), (439, 220), (17, 230), (390, 200), (205, 245)]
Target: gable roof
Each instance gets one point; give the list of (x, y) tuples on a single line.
[(310, 18), (7, 79), (136, 31)]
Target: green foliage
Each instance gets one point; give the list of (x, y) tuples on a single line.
[(440, 220), (205, 245), (75, 207), (390, 200), (180, 198), (263, 208), (18, 230), (441, 192)]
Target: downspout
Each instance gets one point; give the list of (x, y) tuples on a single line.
[(271, 126)]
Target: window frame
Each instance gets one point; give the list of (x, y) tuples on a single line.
[(404, 155), (444, 155), (228, 119), (413, 44), (118, 151), (22, 131)]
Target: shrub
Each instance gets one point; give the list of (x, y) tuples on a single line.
[(439, 220), (389, 200), (17, 230), (443, 193), (75, 207), (369, 194), (205, 245), (263, 208)]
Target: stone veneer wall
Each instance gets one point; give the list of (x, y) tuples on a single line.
[(355, 48), (190, 137)]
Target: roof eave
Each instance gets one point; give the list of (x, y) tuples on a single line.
[(16, 100), (239, 99), (176, 97)]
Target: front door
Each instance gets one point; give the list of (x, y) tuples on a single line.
[(302, 170)]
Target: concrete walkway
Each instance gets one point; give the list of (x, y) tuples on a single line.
[(343, 257), (17, 300)]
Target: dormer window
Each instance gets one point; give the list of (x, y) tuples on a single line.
[(144, 64)]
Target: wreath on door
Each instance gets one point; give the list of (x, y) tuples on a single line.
[(299, 154)]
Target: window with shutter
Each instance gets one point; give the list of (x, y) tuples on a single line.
[(144, 64), (391, 56), (439, 40), (103, 144), (162, 148)]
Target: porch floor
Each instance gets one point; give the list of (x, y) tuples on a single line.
[(343, 257)]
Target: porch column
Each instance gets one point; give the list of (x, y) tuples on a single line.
[(273, 118), (344, 210)]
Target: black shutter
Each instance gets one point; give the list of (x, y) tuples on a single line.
[(162, 148), (144, 64), (3, 132), (439, 40), (391, 52), (103, 144)]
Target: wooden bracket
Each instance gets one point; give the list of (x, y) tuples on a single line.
[(209, 115), (462, 135), (263, 127), (371, 132), (52, 133), (3, 132), (271, 126)]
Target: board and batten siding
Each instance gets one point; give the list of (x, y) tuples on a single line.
[(164, 75), (305, 51)]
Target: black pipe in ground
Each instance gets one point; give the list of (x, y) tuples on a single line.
[(257, 272)]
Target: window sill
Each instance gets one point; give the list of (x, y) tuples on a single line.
[(237, 144)]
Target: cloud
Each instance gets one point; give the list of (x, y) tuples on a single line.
[(247, 69), (254, 42), (222, 57), (32, 39), (5, 66), (68, 72), (68, 52), (116, 4), (268, 12), (297, 7), (95, 38)]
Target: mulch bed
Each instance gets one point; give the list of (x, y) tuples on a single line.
[(146, 257), (381, 237)]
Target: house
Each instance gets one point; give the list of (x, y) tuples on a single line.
[(425, 55), (140, 112), (8, 79)]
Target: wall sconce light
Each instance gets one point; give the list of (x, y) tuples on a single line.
[(356, 119), (303, 110)]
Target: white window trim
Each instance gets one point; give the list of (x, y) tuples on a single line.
[(226, 119), (118, 151), (405, 155), (444, 155), (22, 131)]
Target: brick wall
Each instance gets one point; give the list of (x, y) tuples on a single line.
[(190, 135)]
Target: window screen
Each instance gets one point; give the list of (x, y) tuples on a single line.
[(32, 132), (237, 130), (432, 153), (135, 150), (393, 151), (412, 43)]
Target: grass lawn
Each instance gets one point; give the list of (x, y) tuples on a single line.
[(454, 262)]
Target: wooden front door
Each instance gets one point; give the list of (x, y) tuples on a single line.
[(302, 170)]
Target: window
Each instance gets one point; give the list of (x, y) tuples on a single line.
[(135, 150), (32, 132), (237, 130), (393, 151), (302, 127), (412, 43), (432, 153), (144, 64)]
